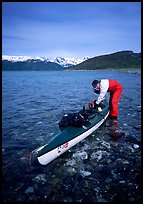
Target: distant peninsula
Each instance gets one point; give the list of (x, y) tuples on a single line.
[(117, 60)]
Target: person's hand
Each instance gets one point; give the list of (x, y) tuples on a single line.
[(96, 105), (91, 104)]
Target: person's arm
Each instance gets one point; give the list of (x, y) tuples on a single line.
[(103, 90)]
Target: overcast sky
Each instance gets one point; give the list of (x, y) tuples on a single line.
[(70, 29)]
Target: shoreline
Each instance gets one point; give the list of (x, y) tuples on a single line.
[(129, 70)]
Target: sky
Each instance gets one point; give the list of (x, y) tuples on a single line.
[(70, 29)]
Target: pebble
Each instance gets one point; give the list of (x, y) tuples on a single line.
[(136, 146), (85, 173), (106, 144), (68, 199), (71, 170), (81, 155), (29, 190), (125, 162), (40, 178), (100, 199), (99, 155), (71, 162), (122, 182)]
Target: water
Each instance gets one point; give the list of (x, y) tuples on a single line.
[(105, 167)]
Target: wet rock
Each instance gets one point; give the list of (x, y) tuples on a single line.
[(109, 161), (100, 199), (135, 146), (108, 180), (105, 144), (99, 155), (33, 198), (80, 155), (122, 182), (125, 162), (131, 149), (71, 162), (29, 190), (71, 170), (36, 188), (40, 178), (54, 182), (68, 199), (85, 173)]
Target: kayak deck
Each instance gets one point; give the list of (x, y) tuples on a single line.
[(70, 133)]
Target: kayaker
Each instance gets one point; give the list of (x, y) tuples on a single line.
[(103, 86)]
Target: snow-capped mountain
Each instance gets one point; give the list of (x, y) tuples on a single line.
[(65, 62)]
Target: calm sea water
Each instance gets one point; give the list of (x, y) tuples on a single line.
[(100, 168)]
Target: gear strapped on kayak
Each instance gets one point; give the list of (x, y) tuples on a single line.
[(81, 119)]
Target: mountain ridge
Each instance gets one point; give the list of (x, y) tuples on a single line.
[(65, 62), (116, 60)]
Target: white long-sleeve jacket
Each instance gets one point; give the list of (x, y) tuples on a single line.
[(104, 85)]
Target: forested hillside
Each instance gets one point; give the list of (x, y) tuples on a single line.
[(118, 60)]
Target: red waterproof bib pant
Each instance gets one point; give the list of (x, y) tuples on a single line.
[(115, 90)]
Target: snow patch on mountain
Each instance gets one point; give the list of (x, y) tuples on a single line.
[(21, 58), (65, 62)]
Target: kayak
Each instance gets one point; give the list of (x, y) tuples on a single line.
[(69, 137)]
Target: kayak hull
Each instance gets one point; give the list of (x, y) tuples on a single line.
[(69, 138)]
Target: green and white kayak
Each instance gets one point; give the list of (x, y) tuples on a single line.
[(69, 137)]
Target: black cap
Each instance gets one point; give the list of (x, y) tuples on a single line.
[(95, 82)]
